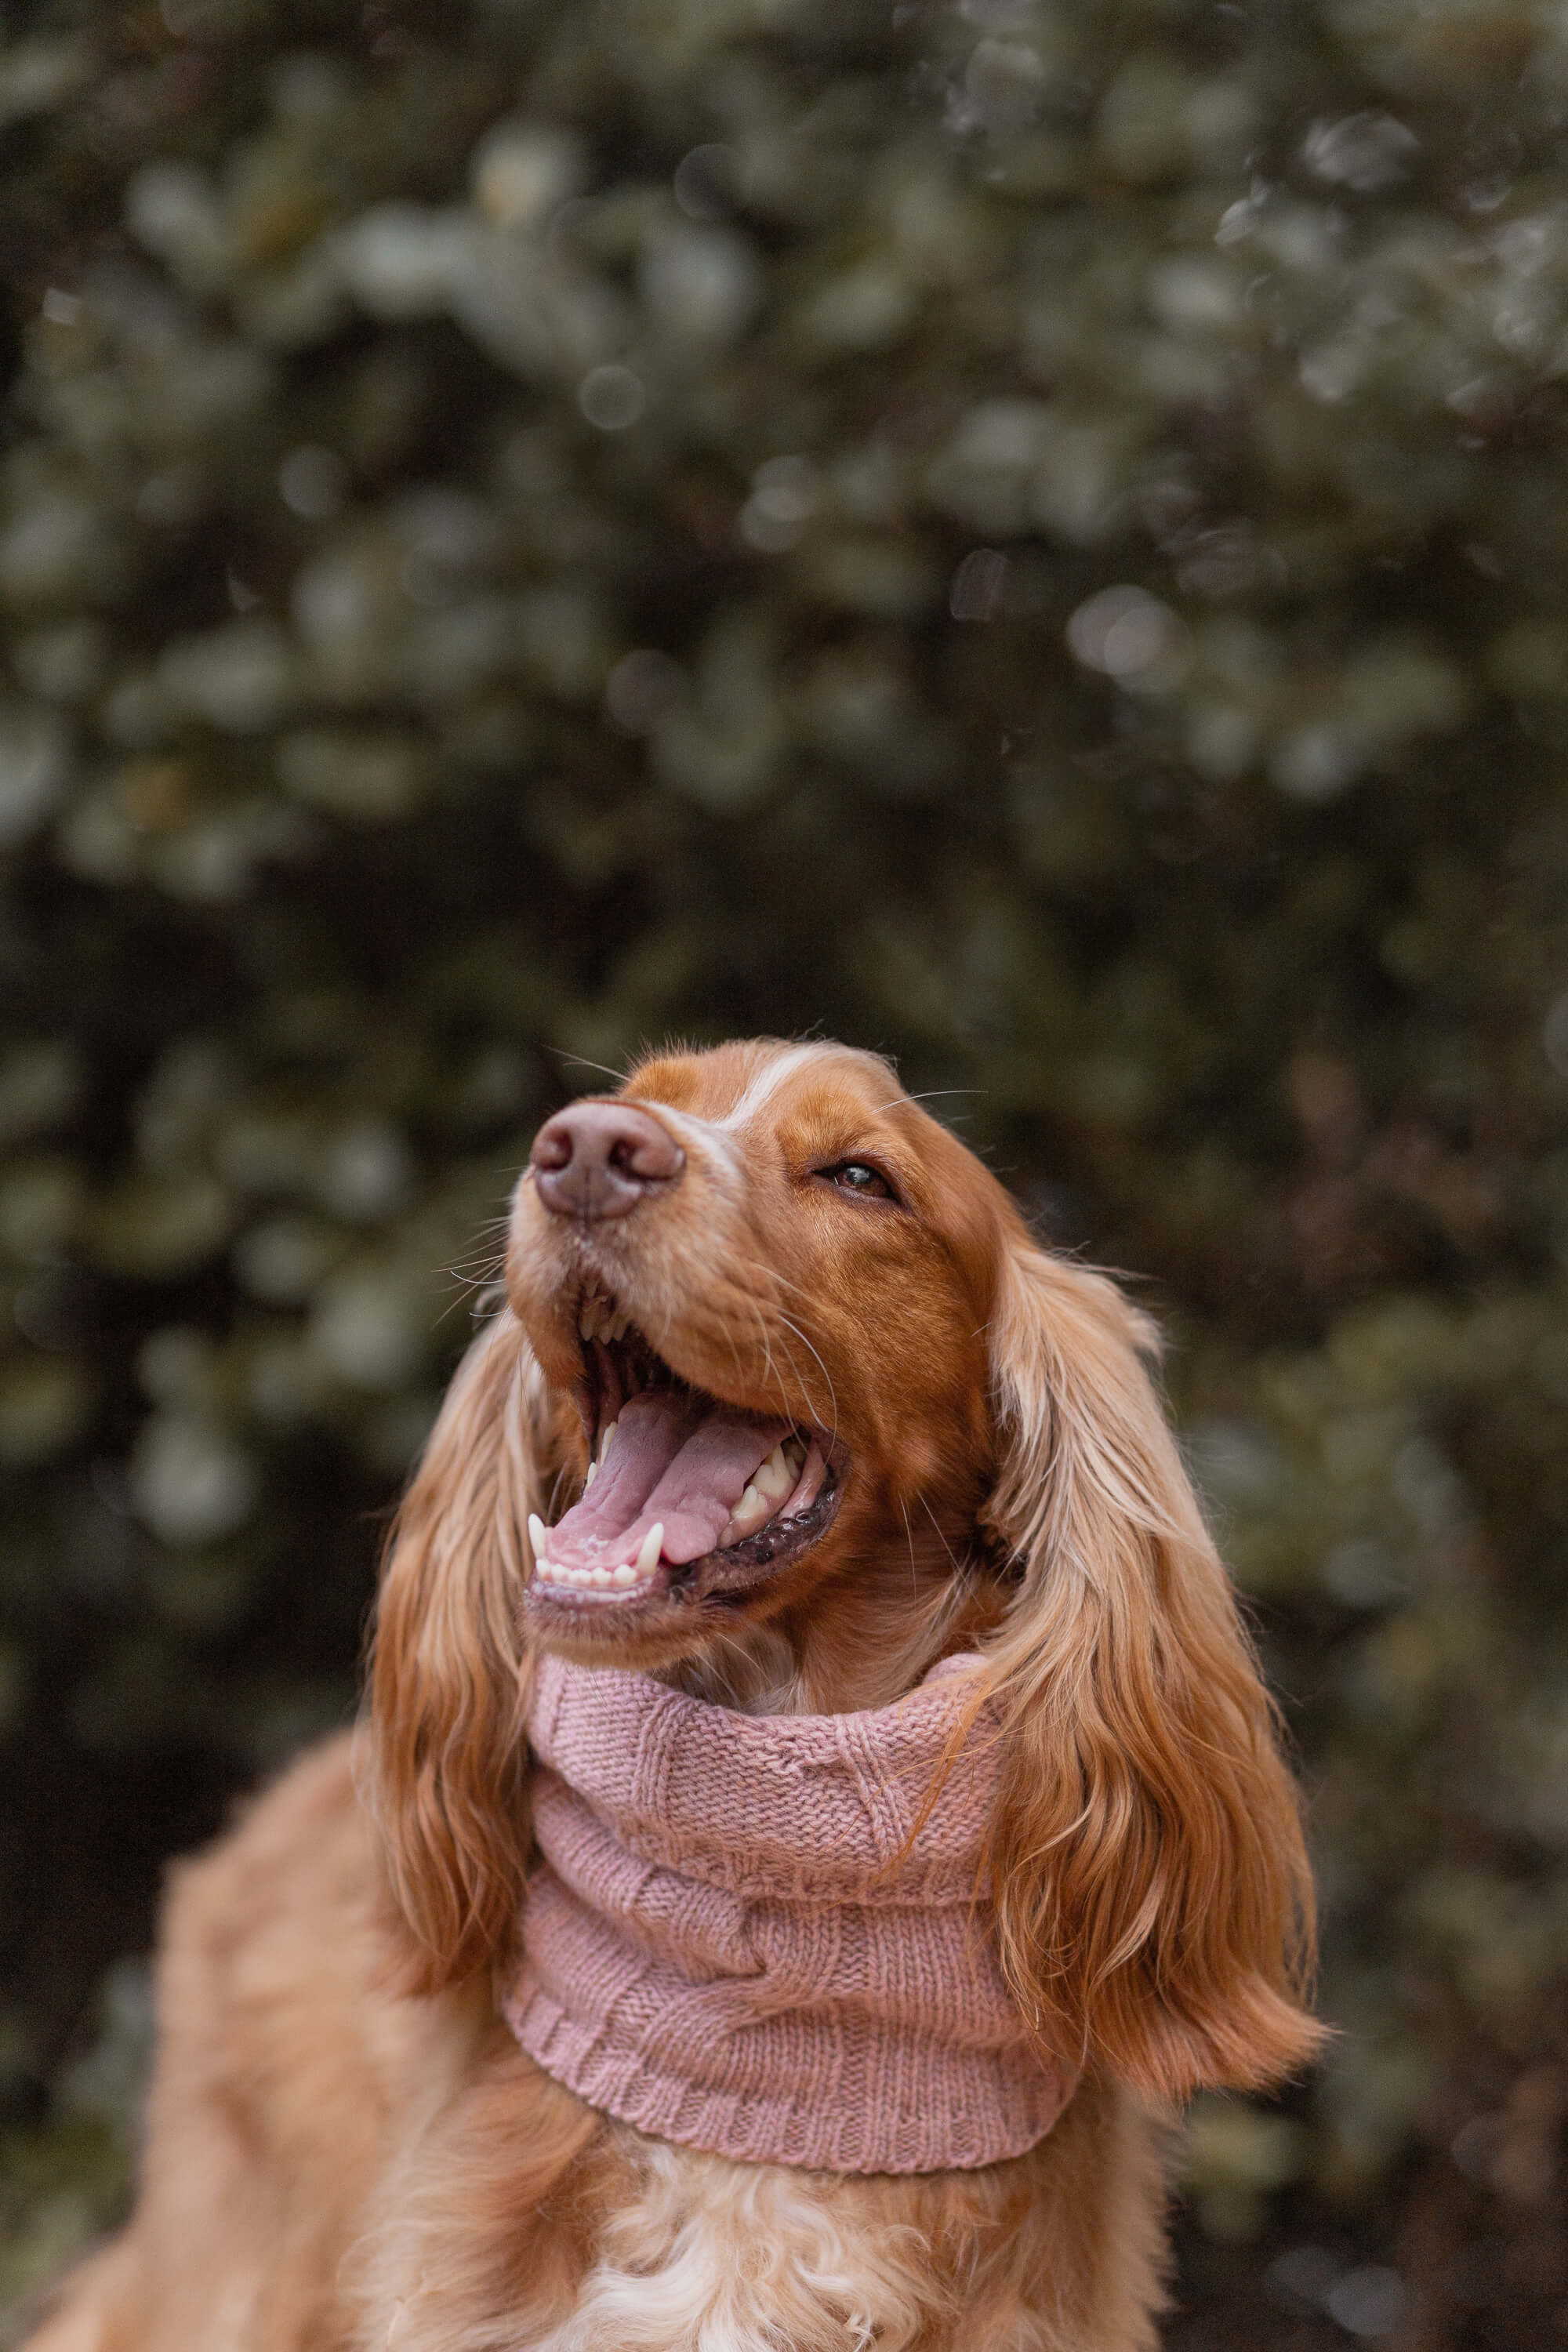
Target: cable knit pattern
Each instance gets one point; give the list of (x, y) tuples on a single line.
[(727, 1944)]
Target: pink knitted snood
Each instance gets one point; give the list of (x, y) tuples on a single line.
[(722, 1947)]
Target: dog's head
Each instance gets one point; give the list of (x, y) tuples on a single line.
[(778, 1352), (762, 1277)]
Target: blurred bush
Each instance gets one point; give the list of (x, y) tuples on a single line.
[(1033, 534)]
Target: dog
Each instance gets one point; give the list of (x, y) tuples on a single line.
[(891, 1434)]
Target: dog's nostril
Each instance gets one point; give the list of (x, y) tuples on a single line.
[(638, 1158), (599, 1159), (552, 1147)]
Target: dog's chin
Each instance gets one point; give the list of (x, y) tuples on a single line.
[(706, 1514)]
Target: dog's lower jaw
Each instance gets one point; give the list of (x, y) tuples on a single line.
[(854, 1624), (689, 1599)]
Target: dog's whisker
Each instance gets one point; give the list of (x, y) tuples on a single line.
[(790, 1325), (909, 1538), (584, 1062), (932, 1093), (953, 1557)]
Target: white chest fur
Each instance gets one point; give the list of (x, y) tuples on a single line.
[(711, 2256)]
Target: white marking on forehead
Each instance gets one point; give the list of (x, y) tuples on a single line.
[(717, 1137), (698, 1134), (768, 1081)]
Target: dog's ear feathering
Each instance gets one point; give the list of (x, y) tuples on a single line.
[(1154, 1900), (450, 1670)]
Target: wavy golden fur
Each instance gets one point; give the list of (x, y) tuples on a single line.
[(345, 2148)]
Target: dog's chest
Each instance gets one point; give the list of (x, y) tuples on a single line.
[(710, 2256)]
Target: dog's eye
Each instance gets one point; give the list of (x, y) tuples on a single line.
[(859, 1176)]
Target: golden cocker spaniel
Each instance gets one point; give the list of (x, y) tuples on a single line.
[(864, 1425)]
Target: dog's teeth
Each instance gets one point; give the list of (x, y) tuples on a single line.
[(809, 1484), (626, 1574), (652, 1544), (752, 1511), (593, 1473), (774, 1479), (599, 1576), (586, 1322), (605, 1441), (537, 1534)]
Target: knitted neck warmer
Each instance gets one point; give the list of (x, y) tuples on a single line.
[(722, 1946)]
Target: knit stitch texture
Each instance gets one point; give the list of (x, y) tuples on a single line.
[(731, 1941)]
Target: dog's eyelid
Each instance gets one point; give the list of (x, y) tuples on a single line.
[(845, 1174)]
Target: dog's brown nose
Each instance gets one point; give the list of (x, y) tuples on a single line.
[(599, 1159)]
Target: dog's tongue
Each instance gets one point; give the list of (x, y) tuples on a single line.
[(672, 1459)]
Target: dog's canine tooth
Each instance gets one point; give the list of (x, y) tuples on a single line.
[(605, 1440), (538, 1534), (652, 1544), (593, 1473)]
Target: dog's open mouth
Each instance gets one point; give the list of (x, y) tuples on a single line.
[(686, 1497)]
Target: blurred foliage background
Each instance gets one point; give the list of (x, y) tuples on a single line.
[(1031, 533)]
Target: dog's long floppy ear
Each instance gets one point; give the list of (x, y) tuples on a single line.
[(1155, 1898), (449, 1673)]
